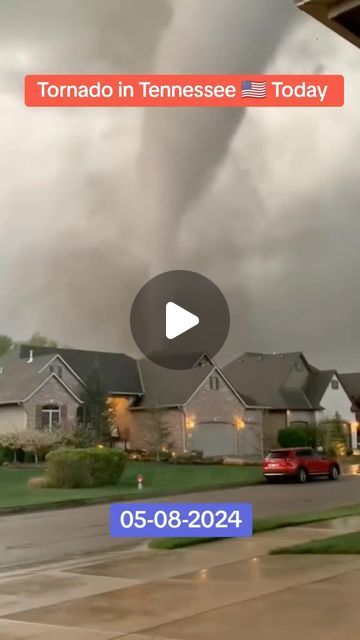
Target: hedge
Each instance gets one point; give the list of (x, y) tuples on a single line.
[(298, 436), (78, 468)]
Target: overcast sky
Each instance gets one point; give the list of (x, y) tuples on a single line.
[(94, 201)]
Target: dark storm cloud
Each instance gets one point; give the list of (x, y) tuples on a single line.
[(182, 148), (268, 209)]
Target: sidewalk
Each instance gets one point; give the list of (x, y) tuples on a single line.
[(197, 593)]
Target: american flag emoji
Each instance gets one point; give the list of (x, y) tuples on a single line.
[(250, 89)]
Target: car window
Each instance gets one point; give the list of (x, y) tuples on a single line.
[(278, 454), (304, 453)]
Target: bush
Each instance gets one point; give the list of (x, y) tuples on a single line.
[(190, 457), (292, 437), (298, 435), (77, 468), (37, 483), (6, 455)]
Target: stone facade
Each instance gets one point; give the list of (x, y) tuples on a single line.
[(51, 393), (213, 402), (57, 366), (141, 427), (273, 422)]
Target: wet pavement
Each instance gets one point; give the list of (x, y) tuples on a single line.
[(223, 589), (50, 536)]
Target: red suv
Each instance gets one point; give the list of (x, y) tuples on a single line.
[(300, 463)]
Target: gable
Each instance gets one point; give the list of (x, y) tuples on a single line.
[(118, 371), (52, 390), (297, 374), (336, 400), (215, 385)]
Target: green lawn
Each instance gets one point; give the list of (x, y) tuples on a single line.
[(347, 543), (268, 524), (159, 479)]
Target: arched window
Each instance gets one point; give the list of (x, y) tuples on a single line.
[(50, 416)]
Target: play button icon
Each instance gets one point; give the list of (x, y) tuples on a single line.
[(177, 317), (178, 320)]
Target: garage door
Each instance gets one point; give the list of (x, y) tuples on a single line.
[(214, 439)]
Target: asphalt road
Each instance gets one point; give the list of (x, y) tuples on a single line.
[(54, 536)]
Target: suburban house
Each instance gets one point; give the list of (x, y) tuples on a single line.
[(291, 391), (203, 409), (236, 411), (41, 387)]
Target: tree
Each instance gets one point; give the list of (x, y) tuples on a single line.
[(11, 440), (332, 436), (5, 344), (158, 432), (97, 412), (37, 340)]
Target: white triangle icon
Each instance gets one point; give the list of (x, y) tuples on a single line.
[(178, 320)]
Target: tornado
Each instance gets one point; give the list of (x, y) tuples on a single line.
[(182, 148)]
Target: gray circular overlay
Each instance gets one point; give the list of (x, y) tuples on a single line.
[(192, 292)]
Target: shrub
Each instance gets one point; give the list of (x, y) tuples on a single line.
[(93, 467), (292, 437), (6, 455), (189, 457), (37, 483), (332, 437)]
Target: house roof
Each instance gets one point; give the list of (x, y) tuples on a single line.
[(19, 378), (119, 372), (174, 388), (351, 384), (263, 376), (317, 384)]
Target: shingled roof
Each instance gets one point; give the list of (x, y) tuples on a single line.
[(119, 372), (20, 378), (173, 388), (263, 376), (351, 384)]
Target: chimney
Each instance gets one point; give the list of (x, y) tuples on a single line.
[(31, 356)]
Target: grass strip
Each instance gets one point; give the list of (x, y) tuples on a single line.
[(343, 544), (266, 524)]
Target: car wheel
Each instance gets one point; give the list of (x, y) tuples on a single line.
[(334, 473), (302, 475)]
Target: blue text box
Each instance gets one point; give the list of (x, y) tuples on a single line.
[(195, 520)]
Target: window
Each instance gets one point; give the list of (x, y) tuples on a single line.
[(50, 416), (80, 415), (304, 453), (278, 455), (214, 383), (334, 384)]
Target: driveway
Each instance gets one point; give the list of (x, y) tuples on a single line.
[(49, 536), (227, 589)]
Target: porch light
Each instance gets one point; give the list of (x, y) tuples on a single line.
[(239, 423), (190, 422)]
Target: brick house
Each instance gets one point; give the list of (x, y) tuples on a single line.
[(42, 387), (291, 390), (201, 407)]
